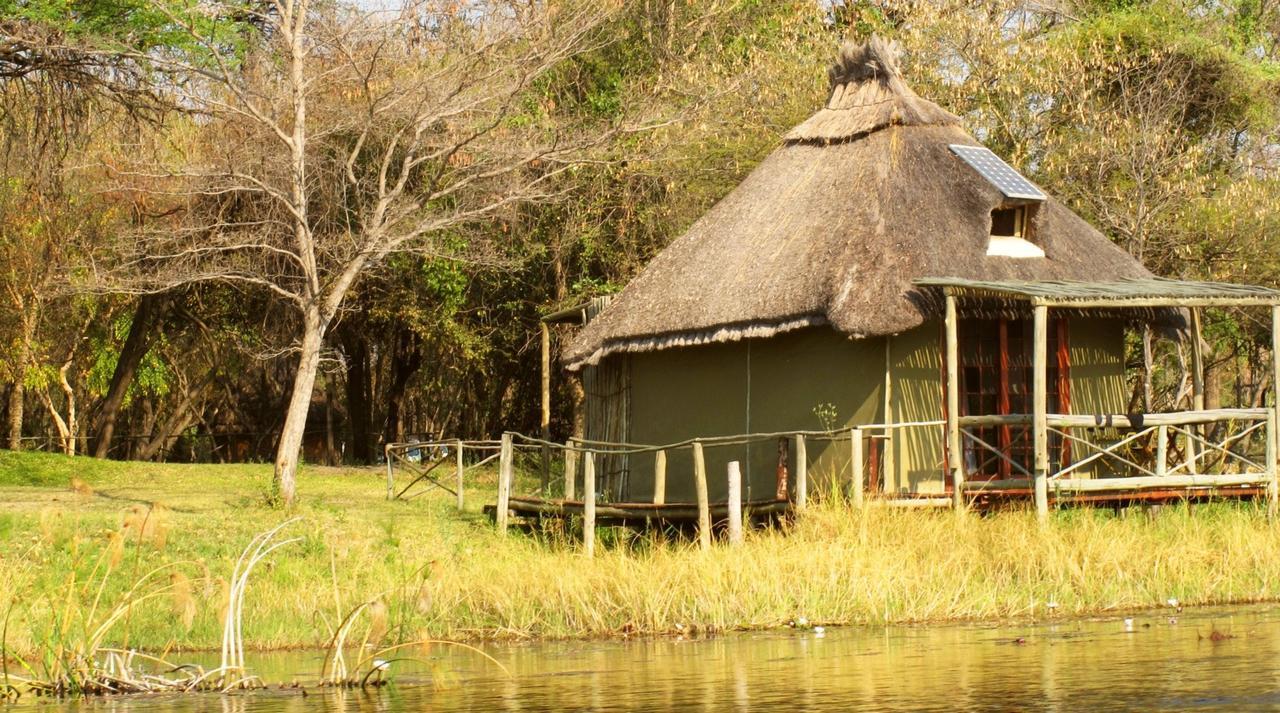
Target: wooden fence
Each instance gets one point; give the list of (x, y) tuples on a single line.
[(1196, 449)]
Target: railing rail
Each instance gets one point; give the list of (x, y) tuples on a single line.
[(1217, 461)]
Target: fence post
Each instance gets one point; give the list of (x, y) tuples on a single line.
[(1273, 484), (570, 469), (589, 503), (659, 477), (735, 503), (458, 468), (802, 473), (506, 473), (1162, 450), (855, 452), (391, 476), (1189, 452), (700, 486)]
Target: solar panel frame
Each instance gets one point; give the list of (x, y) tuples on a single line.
[(998, 173)]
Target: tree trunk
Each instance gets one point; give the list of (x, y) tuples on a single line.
[(295, 420), (16, 395), (356, 348), (151, 309), (184, 413), (330, 450), (405, 362)]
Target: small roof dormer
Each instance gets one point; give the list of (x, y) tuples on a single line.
[(1010, 234)]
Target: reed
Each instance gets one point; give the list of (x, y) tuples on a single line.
[(443, 575), (73, 658)]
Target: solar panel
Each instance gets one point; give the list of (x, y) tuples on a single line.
[(1000, 174)]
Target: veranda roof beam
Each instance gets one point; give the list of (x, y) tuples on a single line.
[(1144, 293)]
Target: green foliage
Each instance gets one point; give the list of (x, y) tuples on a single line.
[(153, 377), (135, 27)]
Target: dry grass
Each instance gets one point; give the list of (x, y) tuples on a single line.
[(427, 572)]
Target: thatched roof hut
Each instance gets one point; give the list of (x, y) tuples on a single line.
[(832, 228)]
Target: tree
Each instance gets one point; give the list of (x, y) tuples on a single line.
[(338, 138)]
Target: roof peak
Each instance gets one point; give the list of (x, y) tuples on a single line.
[(857, 62), (868, 94)]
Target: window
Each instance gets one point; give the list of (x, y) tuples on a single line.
[(996, 379), (1008, 222), (1010, 233)]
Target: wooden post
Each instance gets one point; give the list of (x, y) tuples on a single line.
[(1197, 383), (954, 455), (1162, 450), (391, 476), (659, 477), (570, 469), (855, 460), (1039, 404), (589, 503), (1274, 441), (506, 473), (888, 461), (1273, 485), (458, 468), (700, 486), (782, 489), (802, 473), (735, 503), (1197, 362), (545, 419)]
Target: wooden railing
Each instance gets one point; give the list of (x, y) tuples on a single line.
[(427, 465), (582, 455), (1217, 448)]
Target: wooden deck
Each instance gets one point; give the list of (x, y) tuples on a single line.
[(640, 514), (637, 513)]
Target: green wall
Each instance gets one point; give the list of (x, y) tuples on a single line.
[(703, 391), (769, 385)]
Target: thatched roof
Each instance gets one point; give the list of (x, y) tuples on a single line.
[(832, 228)]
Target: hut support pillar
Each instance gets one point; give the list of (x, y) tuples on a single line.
[(1273, 485), (954, 460), (889, 436), (1197, 386), (1039, 406)]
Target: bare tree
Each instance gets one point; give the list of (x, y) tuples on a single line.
[(343, 137)]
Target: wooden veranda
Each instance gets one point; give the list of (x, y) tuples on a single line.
[(1233, 468)]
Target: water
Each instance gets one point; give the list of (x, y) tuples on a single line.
[(1099, 664)]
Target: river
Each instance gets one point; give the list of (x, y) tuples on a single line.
[(1158, 660)]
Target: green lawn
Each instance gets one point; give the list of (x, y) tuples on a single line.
[(65, 521), (434, 572)]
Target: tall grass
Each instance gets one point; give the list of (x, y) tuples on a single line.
[(425, 572), (72, 657), (842, 566)]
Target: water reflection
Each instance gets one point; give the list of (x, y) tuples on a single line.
[(1165, 662)]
